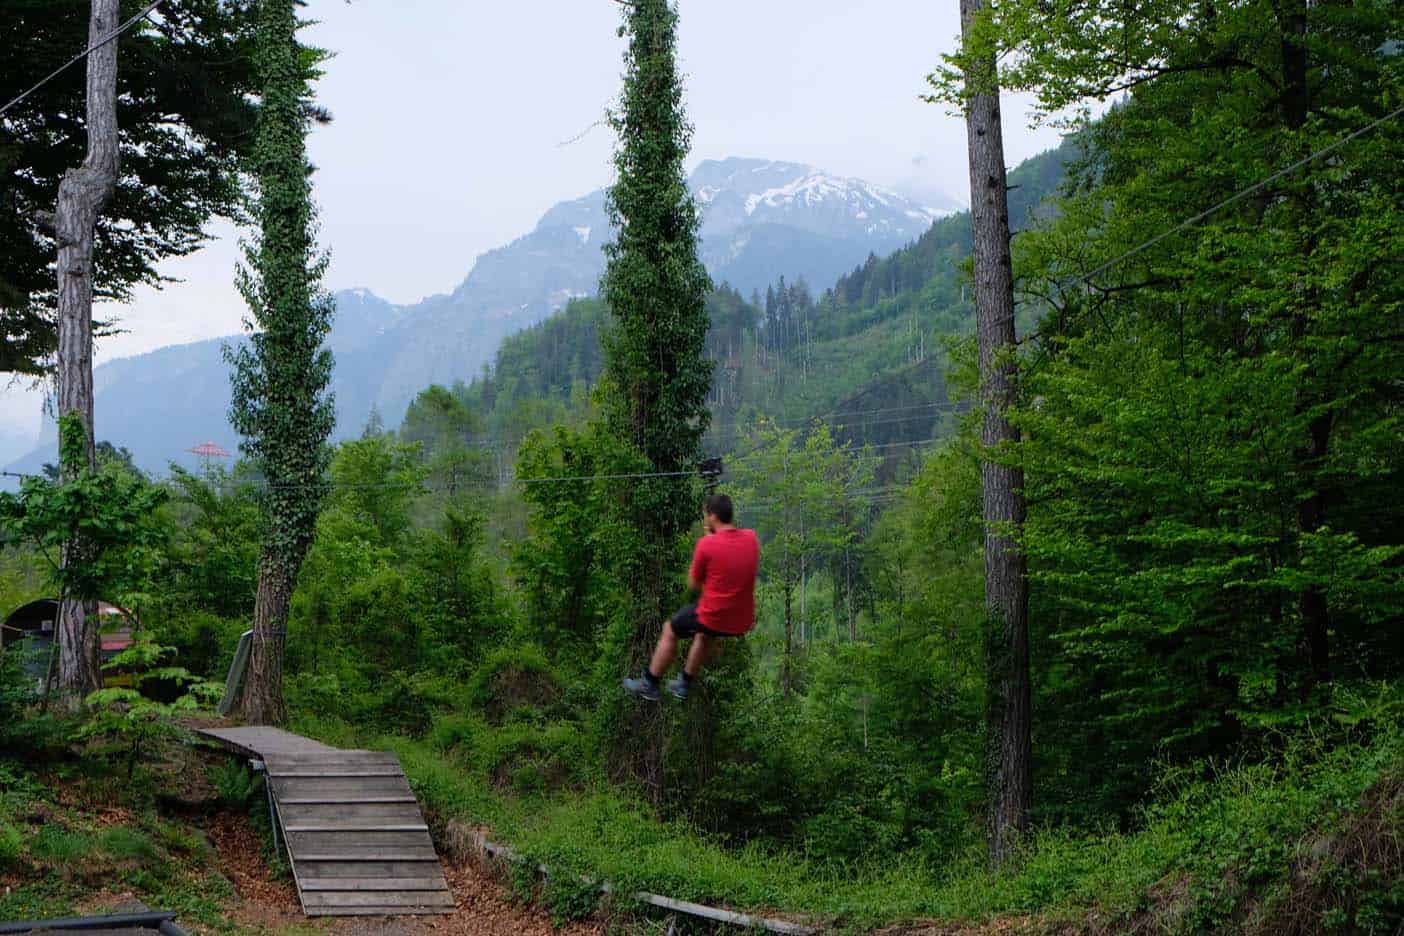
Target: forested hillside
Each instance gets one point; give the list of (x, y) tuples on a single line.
[(879, 340)]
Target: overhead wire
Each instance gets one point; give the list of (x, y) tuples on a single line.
[(128, 24), (1088, 278)]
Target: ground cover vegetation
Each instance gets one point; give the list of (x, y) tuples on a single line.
[(1210, 431)]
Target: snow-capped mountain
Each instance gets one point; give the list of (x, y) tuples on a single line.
[(735, 193), (760, 220)]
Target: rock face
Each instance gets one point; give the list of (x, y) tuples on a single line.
[(760, 220)]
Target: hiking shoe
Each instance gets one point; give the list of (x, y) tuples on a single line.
[(637, 685), (678, 687)]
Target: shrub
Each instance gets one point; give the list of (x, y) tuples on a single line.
[(124, 844), (456, 731), (62, 847), (234, 783), (513, 677), (529, 758), (11, 846)]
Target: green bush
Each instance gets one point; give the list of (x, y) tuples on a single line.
[(125, 844), (11, 846), (511, 678), (63, 847), (531, 758), (234, 783), (455, 731), (20, 729)]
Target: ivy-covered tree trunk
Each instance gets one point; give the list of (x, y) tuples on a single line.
[(280, 404), (1002, 485), (82, 194), (261, 702), (655, 367)]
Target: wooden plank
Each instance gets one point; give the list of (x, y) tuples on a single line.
[(262, 741), (330, 773), (358, 842), (397, 812), (376, 911), (347, 800), (357, 827), (327, 856), (303, 761), (354, 832), (285, 788), (378, 883), (318, 899), (389, 846), (371, 867)]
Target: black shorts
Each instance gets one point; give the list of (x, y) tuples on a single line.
[(686, 624)]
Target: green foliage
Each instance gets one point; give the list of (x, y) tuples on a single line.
[(655, 288), (235, 784), (129, 716), (512, 677), (1211, 424), (574, 565), (279, 401), (11, 846), (212, 559), (570, 899), (654, 284), (1218, 844), (184, 110), (16, 692), (800, 489), (114, 511)]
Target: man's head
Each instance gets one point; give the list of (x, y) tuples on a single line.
[(716, 512)]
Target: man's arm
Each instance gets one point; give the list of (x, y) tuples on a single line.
[(697, 573)]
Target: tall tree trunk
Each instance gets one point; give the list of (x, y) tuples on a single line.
[(1311, 514), (786, 663), (260, 699), (1310, 456), (82, 194), (1002, 486)]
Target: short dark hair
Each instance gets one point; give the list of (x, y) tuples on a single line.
[(719, 506)]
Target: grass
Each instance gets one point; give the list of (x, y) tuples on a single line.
[(74, 832), (1215, 855)]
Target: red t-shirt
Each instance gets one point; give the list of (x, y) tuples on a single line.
[(724, 564)]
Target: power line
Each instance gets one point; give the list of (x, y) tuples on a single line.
[(1244, 193), (608, 477), (84, 54), (1238, 196)]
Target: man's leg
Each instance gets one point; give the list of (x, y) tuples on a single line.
[(666, 651), (703, 649), (645, 685)]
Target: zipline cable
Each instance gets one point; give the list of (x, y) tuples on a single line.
[(1087, 278), (84, 54), (1244, 193)]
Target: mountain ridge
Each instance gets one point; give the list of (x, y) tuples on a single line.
[(761, 219)]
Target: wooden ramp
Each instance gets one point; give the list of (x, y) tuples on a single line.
[(356, 840)]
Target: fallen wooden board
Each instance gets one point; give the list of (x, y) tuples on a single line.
[(680, 906)]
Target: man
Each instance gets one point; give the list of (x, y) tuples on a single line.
[(724, 571)]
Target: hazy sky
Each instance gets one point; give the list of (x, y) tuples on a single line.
[(450, 115)]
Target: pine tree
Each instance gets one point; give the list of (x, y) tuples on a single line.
[(280, 404)]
